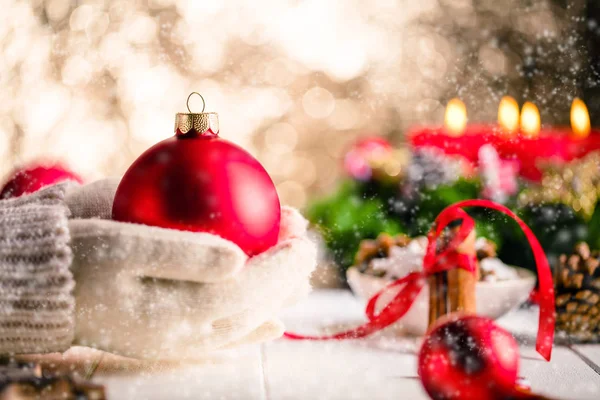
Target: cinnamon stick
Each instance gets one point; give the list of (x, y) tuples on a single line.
[(453, 290)]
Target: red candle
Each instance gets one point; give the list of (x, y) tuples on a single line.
[(547, 145)]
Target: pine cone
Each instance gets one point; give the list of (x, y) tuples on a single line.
[(63, 387), (25, 381), (370, 249), (377, 248), (577, 291), (428, 169), (487, 249)]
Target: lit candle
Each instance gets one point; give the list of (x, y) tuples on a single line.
[(580, 119), (508, 115), (530, 120), (521, 138), (455, 119)]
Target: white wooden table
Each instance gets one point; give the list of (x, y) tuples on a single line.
[(374, 368)]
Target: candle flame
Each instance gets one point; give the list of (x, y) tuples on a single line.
[(456, 117), (508, 114), (580, 119), (530, 120)]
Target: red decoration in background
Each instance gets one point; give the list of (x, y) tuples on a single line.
[(551, 145), (360, 157), (446, 260), (499, 176), (32, 178), (201, 183), (468, 358)]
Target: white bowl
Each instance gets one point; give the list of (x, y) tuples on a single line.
[(494, 299)]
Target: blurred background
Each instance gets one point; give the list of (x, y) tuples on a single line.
[(95, 83)]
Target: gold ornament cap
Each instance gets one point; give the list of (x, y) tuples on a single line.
[(196, 123)]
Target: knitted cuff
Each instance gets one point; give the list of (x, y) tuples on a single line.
[(36, 304)]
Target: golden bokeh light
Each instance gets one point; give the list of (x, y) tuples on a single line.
[(122, 69)]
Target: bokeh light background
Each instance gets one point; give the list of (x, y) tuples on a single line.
[(95, 83)]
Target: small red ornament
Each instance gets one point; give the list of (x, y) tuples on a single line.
[(359, 160), (469, 358), (34, 177), (197, 182)]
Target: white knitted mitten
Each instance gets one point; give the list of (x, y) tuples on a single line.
[(36, 305), (156, 293)]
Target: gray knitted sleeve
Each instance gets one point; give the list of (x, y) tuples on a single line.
[(36, 304)]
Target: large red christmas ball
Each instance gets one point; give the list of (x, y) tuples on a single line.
[(34, 177), (201, 183), (469, 358)]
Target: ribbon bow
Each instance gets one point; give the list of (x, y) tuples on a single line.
[(445, 260)]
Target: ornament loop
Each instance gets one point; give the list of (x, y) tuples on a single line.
[(187, 103)]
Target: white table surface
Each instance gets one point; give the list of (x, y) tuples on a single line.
[(373, 368)]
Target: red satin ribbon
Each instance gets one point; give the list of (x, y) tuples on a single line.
[(449, 258)]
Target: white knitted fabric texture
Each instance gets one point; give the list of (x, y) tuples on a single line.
[(155, 293), (36, 304), (140, 291)]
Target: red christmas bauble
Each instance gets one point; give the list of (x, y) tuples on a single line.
[(32, 178), (197, 182), (469, 358)]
